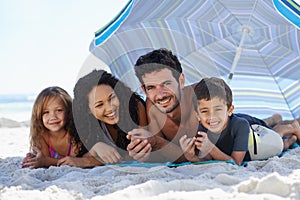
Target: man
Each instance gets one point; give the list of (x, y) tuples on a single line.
[(169, 108)]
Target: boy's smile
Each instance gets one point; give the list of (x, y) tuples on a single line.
[(213, 114)]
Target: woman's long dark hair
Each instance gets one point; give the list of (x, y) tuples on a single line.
[(87, 125)]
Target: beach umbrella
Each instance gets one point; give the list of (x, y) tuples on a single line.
[(252, 44)]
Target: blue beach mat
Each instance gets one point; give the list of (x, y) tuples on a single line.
[(167, 164), (295, 145), (173, 165)]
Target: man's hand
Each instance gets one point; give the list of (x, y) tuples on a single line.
[(141, 143), (143, 135)]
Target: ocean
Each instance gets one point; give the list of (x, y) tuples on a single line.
[(16, 106)]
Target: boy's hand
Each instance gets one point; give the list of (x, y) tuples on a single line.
[(203, 144), (188, 147)]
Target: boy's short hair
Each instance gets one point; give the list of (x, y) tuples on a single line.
[(157, 60), (209, 88)]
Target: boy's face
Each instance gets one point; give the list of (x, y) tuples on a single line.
[(163, 90), (213, 114)]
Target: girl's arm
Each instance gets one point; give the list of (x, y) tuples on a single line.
[(39, 160), (86, 161), (40, 156)]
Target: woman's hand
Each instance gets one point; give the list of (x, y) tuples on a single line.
[(106, 153)]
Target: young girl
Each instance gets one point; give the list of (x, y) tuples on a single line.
[(52, 132), (105, 110)]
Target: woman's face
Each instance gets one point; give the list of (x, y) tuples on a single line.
[(104, 104)]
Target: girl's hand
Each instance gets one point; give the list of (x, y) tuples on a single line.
[(107, 154), (188, 147), (34, 160), (27, 157)]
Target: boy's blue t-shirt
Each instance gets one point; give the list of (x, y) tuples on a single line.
[(233, 138)]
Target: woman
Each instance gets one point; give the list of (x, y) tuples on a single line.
[(105, 109)]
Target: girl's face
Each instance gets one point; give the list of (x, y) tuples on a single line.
[(104, 104), (54, 114), (213, 114)]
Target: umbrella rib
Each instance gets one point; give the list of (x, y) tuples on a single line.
[(277, 83)]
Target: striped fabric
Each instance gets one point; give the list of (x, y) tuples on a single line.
[(248, 39), (289, 9)]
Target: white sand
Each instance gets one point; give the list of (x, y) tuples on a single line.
[(276, 178)]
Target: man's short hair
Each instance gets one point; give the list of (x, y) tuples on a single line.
[(157, 60)]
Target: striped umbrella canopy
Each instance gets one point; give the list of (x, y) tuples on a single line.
[(247, 43)]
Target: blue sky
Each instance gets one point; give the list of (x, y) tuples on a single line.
[(44, 43)]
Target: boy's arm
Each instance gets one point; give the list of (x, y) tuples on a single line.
[(241, 131), (237, 156), (208, 150)]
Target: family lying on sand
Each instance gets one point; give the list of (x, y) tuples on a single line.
[(108, 123)]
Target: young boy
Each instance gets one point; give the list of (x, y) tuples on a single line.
[(222, 135)]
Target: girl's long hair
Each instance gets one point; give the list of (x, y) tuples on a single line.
[(37, 127), (87, 125)]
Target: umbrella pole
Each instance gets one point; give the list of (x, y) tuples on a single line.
[(237, 56)]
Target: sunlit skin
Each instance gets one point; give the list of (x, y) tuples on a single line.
[(168, 120), (54, 115), (54, 120), (213, 114), (104, 104), (162, 90)]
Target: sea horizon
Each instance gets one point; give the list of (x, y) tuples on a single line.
[(16, 107)]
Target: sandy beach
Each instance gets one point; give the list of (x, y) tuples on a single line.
[(275, 178)]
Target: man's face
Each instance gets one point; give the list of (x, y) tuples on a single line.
[(163, 90)]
